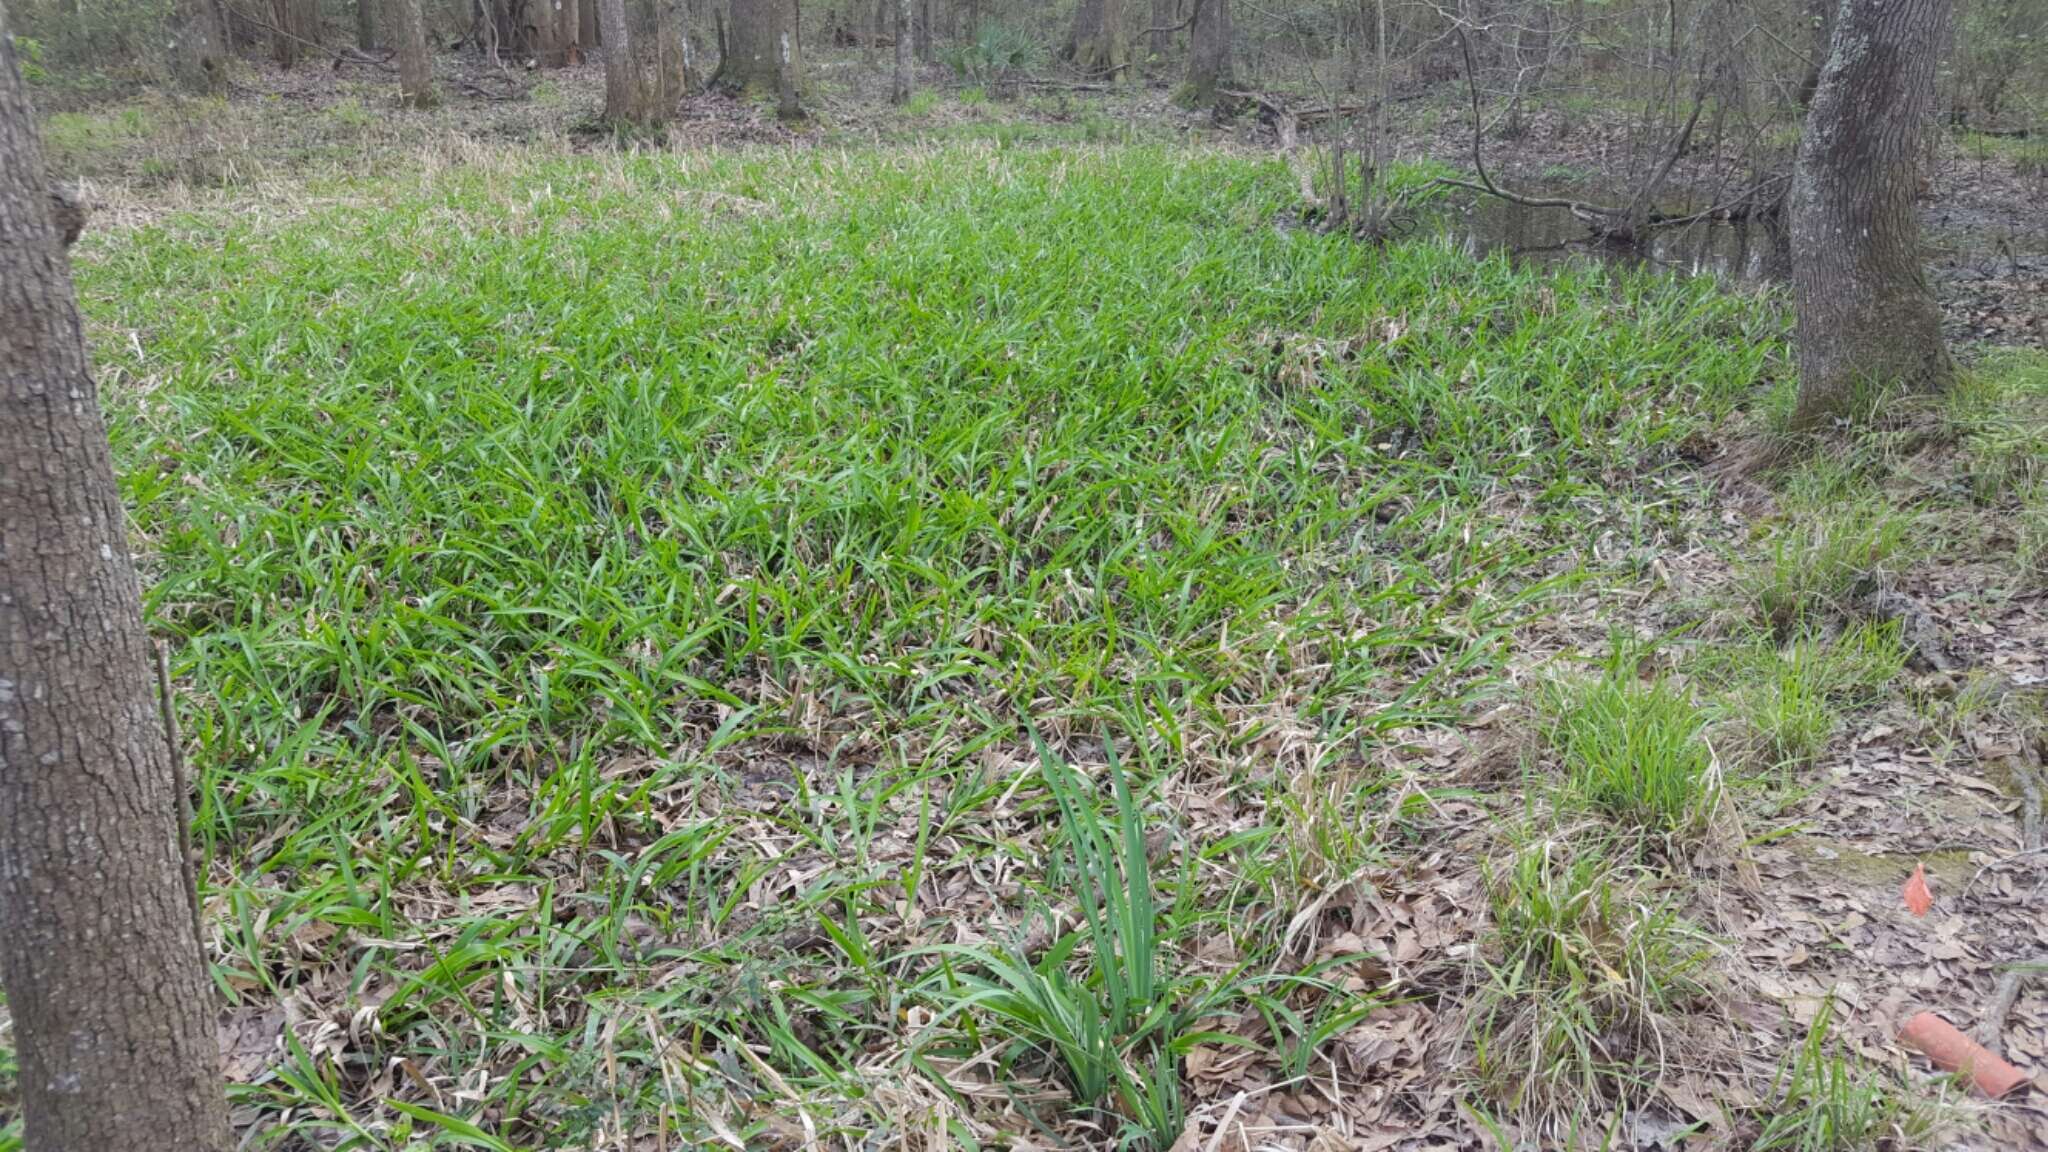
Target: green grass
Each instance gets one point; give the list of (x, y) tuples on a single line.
[(611, 594), (1585, 969), (1631, 750), (1823, 563), (1826, 1100), (1791, 698)]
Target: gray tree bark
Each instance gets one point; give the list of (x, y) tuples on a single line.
[(671, 59), (199, 47), (624, 99), (1159, 38), (1866, 317), (113, 1013), (899, 90), (366, 25), (1096, 43), (415, 67), (762, 54), (1209, 68)]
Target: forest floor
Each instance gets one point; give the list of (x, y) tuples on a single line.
[(982, 632)]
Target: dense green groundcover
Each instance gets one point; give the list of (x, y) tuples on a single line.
[(490, 507)]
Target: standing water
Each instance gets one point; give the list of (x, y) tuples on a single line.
[(1732, 252)]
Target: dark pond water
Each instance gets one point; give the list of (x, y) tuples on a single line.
[(1736, 252)]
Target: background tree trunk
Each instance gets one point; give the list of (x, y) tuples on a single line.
[(671, 61), (622, 99), (199, 55), (288, 21), (113, 1013), (415, 66), (586, 24), (545, 26), (366, 25), (762, 38), (1209, 53), (569, 31), (1096, 44), (1865, 314), (900, 90), (1159, 40)]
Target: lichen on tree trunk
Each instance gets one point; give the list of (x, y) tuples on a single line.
[(1866, 317), (113, 1015)]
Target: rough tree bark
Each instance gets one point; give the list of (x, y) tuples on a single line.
[(415, 67), (762, 55), (624, 101), (199, 50), (1865, 314), (366, 25), (1209, 70), (1096, 43), (113, 1013), (899, 90), (1820, 14)]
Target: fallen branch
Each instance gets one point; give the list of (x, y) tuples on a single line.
[(1300, 115), (1991, 1029), (517, 92)]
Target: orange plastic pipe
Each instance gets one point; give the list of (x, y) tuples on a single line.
[(1952, 1051)]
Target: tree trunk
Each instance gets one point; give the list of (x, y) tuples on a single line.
[(586, 24), (1821, 15), (1866, 317), (622, 99), (1209, 53), (366, 25), (1096, 44), (1159, 39), (543, 24), (106, 981), (671, 58), (287, 25), (900, 90), (569, 31), (762, 53), (415, 66), (199, 50)]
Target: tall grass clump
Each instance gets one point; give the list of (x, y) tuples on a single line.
[(1582, 970), (1100, 1005), (1822, 565), (1631, 749)]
